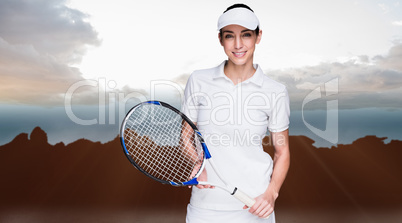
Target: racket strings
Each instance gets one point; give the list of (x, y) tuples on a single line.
[(162, 144), (157, 164)]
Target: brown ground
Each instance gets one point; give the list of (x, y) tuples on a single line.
[(92, 182)]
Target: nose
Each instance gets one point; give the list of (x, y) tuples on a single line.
[(238, 43)]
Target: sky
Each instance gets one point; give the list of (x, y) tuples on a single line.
[(82, 63)]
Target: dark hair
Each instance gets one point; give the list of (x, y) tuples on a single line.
[(240, 5)]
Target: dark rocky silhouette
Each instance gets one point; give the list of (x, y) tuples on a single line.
[(366, 173)]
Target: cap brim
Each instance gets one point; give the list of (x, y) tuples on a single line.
[(239, 16)]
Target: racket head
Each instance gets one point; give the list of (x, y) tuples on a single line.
[(163, 143)]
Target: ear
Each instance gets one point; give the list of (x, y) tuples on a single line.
[(259, 37), (220, 38)]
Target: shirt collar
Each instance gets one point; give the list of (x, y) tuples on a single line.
[(256, 79)]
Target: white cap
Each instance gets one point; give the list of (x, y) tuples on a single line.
[(239, 16)]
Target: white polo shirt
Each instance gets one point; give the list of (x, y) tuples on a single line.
[(233, 120)]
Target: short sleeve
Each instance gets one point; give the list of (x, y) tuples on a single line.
[(279, 120), (189, 103)]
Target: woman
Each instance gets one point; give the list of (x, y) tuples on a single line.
[(233, 105)]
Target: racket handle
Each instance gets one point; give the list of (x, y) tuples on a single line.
[(243, 197), (247, 200)]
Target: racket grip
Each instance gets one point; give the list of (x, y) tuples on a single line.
[(247, 200), (243, 197)]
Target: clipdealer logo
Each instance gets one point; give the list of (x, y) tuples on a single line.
[(109, 98), (330, 133)]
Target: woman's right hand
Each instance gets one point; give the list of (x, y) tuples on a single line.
[(203, 177)]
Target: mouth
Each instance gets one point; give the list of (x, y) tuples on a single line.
[(239, 54)]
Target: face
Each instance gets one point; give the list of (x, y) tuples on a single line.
[(239, 43)]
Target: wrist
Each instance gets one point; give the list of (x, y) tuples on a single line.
[(271, 190)]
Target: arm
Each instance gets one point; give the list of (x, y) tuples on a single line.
[(203, 176), (265, 203)]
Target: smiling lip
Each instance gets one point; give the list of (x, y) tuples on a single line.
[(239, 54)]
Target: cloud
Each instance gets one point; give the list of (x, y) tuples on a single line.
[(39, 43), (384, 8), (397, 23), (393, 60), (48, 26), (362, 82), (31, 77)]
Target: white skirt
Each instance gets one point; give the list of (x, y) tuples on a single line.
[(201, 215)]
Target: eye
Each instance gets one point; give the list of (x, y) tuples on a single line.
[(247, 34), (228, 36)]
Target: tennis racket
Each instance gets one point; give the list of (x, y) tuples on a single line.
[(165, 145)]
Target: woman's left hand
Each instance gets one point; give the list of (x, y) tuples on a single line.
[(264, 204)]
